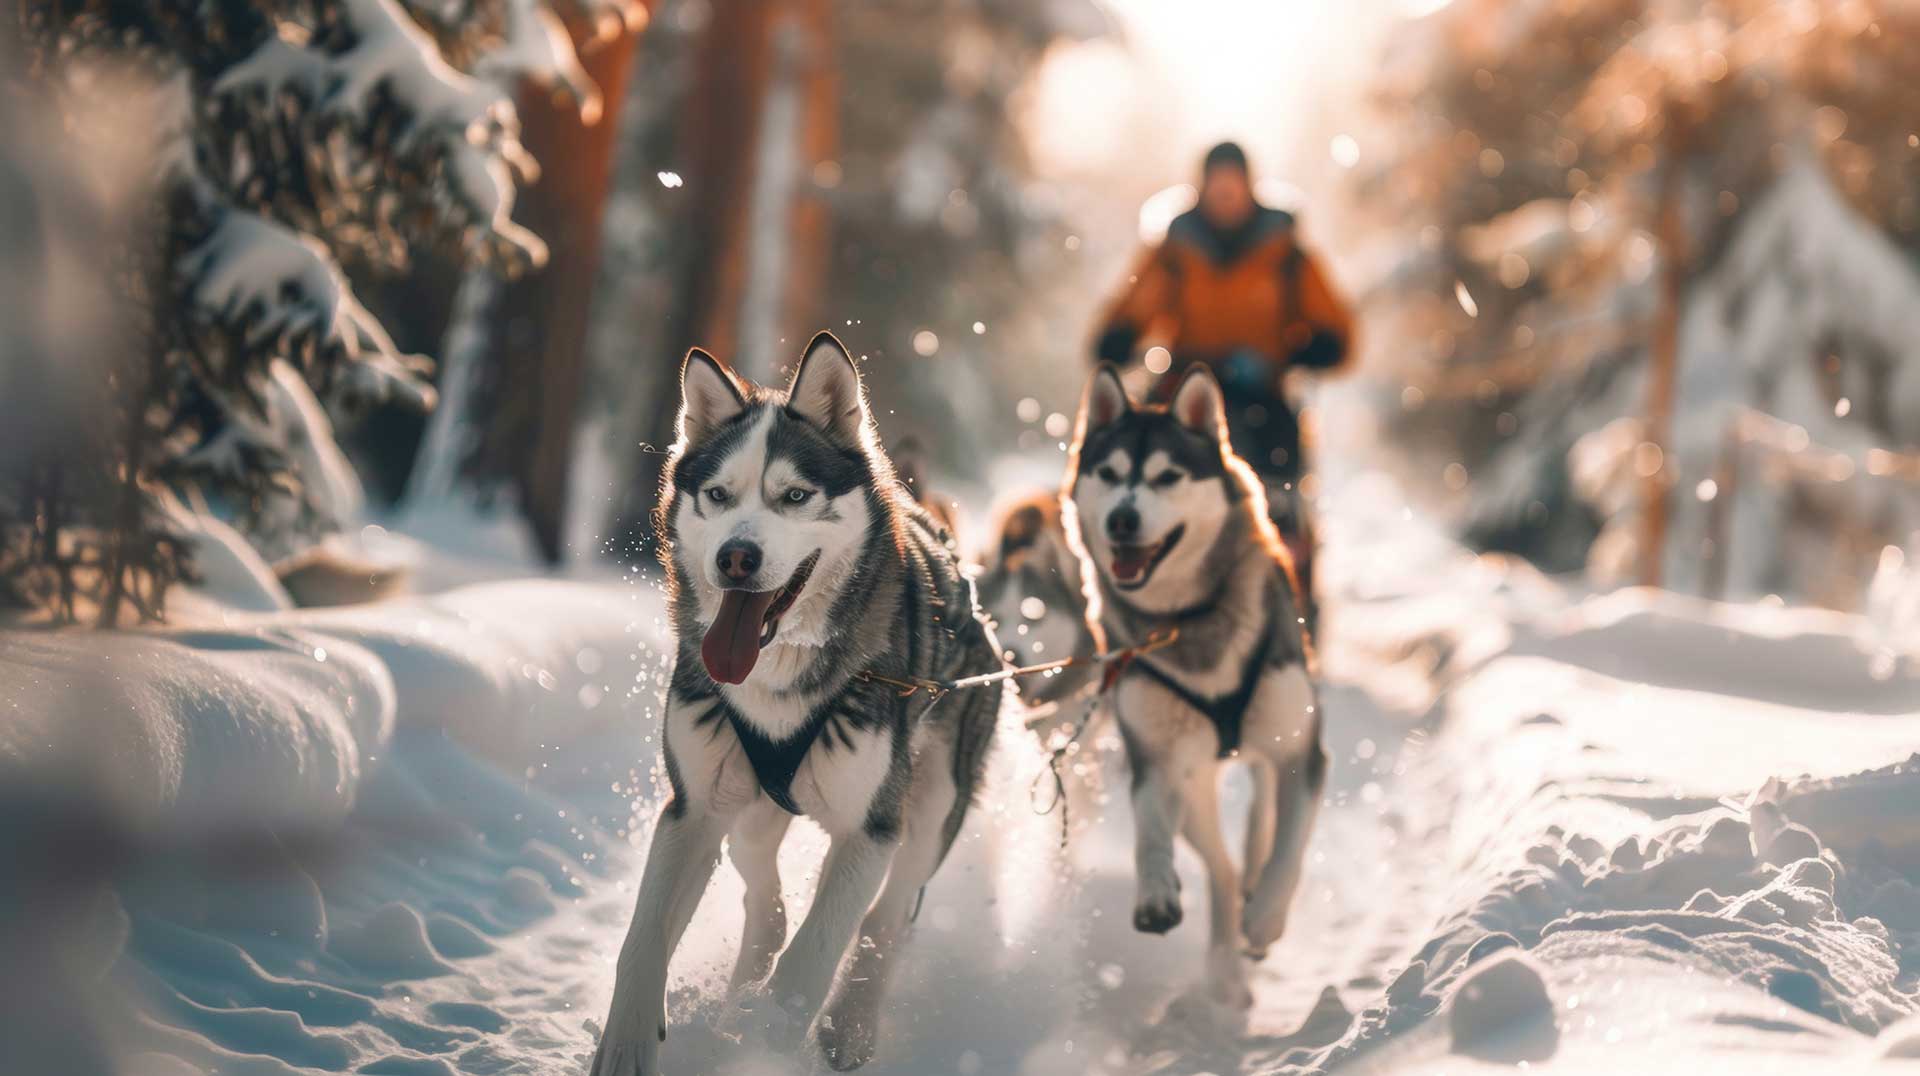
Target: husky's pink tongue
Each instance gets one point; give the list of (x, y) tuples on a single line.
[(732, 644), (1129, 561)]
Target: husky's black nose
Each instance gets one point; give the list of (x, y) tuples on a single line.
[(739, 560), (1123, 523)]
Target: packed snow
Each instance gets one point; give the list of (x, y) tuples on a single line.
[(1623, 832)]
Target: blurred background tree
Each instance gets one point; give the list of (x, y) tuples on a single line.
[(854, 165), (293, 146), (1693, 219)]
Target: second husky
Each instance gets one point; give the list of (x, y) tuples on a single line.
[(1174, 532)]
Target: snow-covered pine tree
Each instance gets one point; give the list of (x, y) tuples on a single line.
[(1577, 172), (293, 136)]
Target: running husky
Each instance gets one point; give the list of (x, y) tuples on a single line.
[(796, 562), (1173, 528), (1030, 587)]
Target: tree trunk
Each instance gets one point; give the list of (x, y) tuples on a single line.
[(763, 111), (1664, 362), (534, 350)]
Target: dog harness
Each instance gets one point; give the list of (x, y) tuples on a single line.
[(1228, 712), (775, 762)]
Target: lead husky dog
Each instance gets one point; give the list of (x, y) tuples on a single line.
[(1175, 534), (796, 562)]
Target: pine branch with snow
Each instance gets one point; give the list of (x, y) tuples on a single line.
[(292, 138)]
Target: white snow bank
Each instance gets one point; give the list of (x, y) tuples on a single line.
[(272, 722), (1612, 793), (206, 731), (515, 670)]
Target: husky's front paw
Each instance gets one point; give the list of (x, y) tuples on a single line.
[(847, 1036), (763, 1021), (1158, 908), (628, 1048), (1261, 924)]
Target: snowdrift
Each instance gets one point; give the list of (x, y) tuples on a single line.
[(1630, 832)]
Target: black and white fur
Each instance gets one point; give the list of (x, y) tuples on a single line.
[(884, 595), (1030, 587), (1173, 531)]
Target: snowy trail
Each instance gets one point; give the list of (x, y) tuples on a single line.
[(1649, 796)]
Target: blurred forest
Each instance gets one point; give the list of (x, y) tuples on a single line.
[(1632, 274), (1643, 273)]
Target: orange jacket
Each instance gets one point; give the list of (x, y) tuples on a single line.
[(1209, 295)]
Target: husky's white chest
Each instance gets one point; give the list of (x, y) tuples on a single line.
[(841, 771), (837, 784)]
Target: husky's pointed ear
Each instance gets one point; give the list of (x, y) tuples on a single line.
[(1106, 398), (709, 396), (1198, 405), (826, 389)]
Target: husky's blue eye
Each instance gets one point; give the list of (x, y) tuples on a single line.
[(1166, 478), (716, 494), (796, 495)]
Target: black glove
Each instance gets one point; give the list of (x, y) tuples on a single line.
[(1116, 344), (1322, 351)]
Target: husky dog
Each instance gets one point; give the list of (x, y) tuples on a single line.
[(910, 467), (796, 562), (1174, 531), (1030, 587)]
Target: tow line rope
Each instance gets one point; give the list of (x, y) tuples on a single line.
[(1114, 662)]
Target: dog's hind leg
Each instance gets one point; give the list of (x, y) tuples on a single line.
[(754, 848), (1226, 979), (849, 1033), (1261, 818)]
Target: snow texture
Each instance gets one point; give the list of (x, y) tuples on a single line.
[(1636, 833)]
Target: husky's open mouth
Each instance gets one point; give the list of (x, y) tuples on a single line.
[(1133, 564), (746, 623)]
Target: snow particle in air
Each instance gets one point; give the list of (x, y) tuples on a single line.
[(1648, 459), (669, 180), (979, 328), (925, 343), (1058, 425), (319, 653), (1028, 409), (1158, 360), (1032, 607), (1465, 299), (1707, 490), (1344, 150)]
